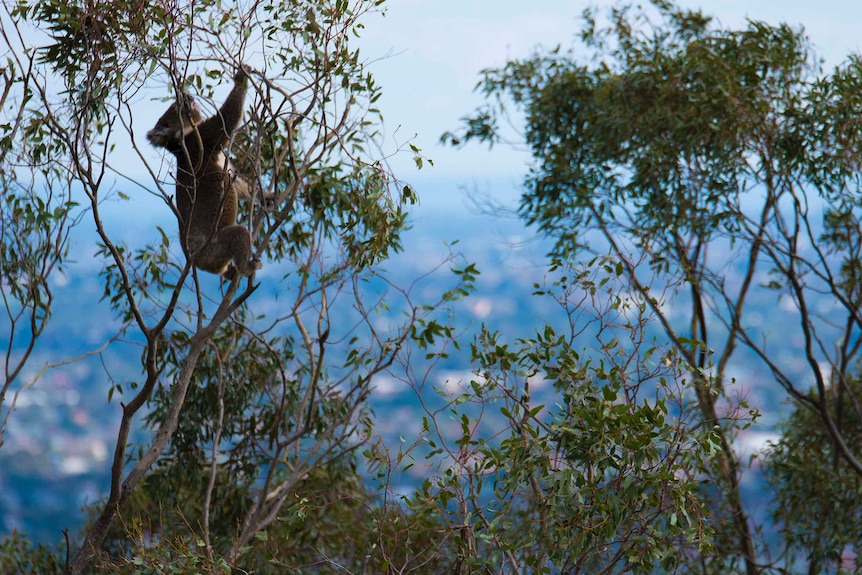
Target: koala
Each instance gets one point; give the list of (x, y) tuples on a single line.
[(207, 186)]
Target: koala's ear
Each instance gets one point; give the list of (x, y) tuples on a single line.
[(162, 135)]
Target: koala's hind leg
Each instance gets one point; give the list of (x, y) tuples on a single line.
[(230, 245)]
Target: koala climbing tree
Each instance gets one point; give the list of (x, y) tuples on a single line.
[(206, 190)]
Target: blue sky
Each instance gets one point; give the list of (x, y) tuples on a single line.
[(436, 49)]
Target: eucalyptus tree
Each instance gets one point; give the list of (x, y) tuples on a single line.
[(245, 398), (723, 163)]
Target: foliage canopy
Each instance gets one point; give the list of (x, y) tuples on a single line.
[(690, 176), (722, 164)]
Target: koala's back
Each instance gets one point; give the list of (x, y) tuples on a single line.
[(205, 200)]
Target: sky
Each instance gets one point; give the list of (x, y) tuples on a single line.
[(427, 55)]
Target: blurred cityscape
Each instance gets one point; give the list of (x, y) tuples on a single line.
[(60, 439)]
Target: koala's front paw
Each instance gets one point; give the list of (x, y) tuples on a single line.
[(267, 201), (241, 74), (264, 198)]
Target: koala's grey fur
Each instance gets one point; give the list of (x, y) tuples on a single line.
[(207, 187)]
